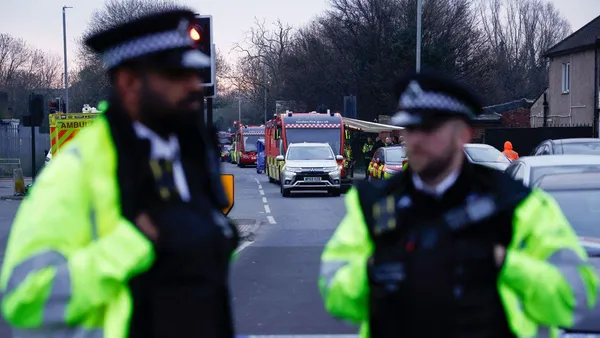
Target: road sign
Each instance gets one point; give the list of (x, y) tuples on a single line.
[(229, 185)]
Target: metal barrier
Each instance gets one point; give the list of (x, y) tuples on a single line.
[(8, 165)]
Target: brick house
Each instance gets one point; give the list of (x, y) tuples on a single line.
[(573, 79), (505, 115)]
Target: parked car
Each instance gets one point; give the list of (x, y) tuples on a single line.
[(310, 166), (386, 162), (486, 155), (577, 194), (530, 168), (568, 146)]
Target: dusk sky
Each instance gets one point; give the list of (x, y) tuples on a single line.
[(39, 22)]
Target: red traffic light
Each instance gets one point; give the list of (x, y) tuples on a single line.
[(195, 34), (54, 104)]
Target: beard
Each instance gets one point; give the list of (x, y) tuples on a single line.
[(165, 118), (435, 166)]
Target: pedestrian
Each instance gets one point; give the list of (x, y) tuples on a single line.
[(396, 141), (509, 152), (388, 141), (368, 152), (133, 243), (448, 248)]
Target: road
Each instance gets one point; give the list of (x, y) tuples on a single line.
[(274, 279)]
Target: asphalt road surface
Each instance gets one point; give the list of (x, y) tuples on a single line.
[(274, 279)]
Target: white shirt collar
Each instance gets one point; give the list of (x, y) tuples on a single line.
[(160, 148), (438, 190)]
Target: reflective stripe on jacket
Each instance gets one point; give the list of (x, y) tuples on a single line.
[(70, 252), (535, 288)]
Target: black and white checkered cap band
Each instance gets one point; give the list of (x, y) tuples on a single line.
[(434, 101), (145, 45), (414, 98)]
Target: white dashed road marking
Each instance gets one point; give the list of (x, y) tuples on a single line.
[(270, 218)]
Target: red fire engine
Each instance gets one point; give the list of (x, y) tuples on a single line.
[(301, 127), (245, 144)]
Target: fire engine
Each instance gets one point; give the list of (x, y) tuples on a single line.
[(292, 127), (246, 138)]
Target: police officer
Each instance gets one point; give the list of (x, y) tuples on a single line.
[(133, 243), (448, 248), (368, 152)]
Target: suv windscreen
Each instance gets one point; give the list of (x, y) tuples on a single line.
[(309, 153)]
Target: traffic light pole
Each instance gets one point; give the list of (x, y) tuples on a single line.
[(209, 111), (64, 14), (33, 173)]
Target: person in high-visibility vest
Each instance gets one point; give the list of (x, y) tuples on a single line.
[(349, 160), (131, 246), (368, 151), (447, 248), (509, 152)]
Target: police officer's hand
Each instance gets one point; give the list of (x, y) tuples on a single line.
[(499, 255), (147, 227)]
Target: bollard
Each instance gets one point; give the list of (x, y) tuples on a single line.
[(19, 181)]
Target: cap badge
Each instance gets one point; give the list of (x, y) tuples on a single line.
[(411, 95)]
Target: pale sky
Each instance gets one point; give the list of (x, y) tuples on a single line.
[(39, 22)]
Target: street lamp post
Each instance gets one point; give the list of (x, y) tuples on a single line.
[(419, 28), (64, 17)]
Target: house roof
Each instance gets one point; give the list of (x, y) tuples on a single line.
[(508, 106), (583, 39)]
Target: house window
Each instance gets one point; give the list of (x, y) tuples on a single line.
[(566, 77)]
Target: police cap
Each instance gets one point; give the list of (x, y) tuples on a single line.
[(160, 40), (426, 99)]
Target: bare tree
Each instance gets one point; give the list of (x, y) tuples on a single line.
[(518, 32), (24, 70), (260, 68)]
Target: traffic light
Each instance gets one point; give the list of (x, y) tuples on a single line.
[(36, 111), (201, 33)]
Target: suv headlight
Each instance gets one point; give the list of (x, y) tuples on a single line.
[(293, 169), (332, 169)]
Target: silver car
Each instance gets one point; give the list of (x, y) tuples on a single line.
[(531, 168), (577, 194), (310, 166), (486, 155)]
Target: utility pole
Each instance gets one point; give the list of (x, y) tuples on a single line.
[(240, 109), (64, 17), (419, 35), (265, 87)]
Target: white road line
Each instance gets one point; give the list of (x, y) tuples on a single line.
[(264, 200), (242, 247), (257, 181), (267, 209), (259, 186), (271, 220), (261, 192)]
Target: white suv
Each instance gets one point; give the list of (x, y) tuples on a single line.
[(310, 166)]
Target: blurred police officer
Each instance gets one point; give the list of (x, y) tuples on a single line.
[(133, 243), (448, 248)]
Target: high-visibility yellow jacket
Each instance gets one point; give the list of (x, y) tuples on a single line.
[(533, 288), (70, 252)]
